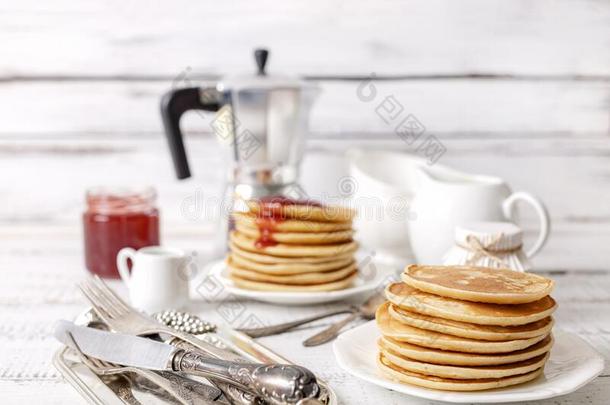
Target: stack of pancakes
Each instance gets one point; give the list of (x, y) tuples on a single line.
[(287, 245), (462, 328)]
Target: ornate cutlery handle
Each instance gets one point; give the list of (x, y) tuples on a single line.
[(276, 383), (122, 388), (235, 394), (190, 342), (184, 390), (186, 387)]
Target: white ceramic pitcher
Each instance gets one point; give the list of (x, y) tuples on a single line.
[(446, 198), (157, 280)]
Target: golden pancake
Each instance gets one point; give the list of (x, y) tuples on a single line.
[(263, 286), (325, 213), (479, 284), (304, 238), (291, 225), (299, 279), (463, 372), (391, 328), (285, 250), (401, 375), (421, 302), (267, 259), (471, 330), (288, 268), (430, 355)]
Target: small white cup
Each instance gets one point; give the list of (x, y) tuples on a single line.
[(157, 280)]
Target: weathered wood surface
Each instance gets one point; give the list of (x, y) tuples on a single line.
[(500, 108), (132, 38), (480, 66), (42, 289), (570, 175), (512, 89), (516, 89)]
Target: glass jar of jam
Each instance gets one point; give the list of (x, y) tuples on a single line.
[(116, 218)]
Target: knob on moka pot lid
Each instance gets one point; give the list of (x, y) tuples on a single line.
[(261, 79)]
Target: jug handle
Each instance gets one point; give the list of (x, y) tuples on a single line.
[(175, 103), (545, 223)]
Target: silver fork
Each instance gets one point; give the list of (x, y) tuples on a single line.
[(181, 388), (120, 317)]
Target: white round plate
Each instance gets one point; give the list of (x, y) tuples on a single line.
[(573, 363), (373, 274)]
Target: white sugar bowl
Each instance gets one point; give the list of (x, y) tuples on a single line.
[(489, 244)]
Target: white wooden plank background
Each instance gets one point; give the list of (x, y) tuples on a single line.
[(518, 89), (506, 108), (54, 176), (38, 295), (137, 37)]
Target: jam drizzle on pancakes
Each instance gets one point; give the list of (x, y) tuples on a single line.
[(271, 214)]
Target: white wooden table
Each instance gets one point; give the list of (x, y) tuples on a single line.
[(511, 90), (39, 276)]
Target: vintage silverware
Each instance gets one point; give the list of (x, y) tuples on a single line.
[(120, 317), (366, 311), (226, 338), (121, 386), (187, 392), (276, 383), (139, 381), (142, 385), (286, 326)]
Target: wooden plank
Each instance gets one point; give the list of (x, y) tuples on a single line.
[(39, 392), (470, 107), (142, 38), (53, 177), (580, 163), (350, 391), (44, 276)]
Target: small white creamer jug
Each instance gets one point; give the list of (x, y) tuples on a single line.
[(158, 280)]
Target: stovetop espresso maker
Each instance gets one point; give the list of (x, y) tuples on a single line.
[(261, 120)]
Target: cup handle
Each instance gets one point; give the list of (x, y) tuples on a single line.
[(121, 263), (543, 215)]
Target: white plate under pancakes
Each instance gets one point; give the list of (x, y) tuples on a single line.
[(573, 363), (374, 275)]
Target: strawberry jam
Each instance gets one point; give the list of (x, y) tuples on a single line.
[(271, 214), (115, 219)]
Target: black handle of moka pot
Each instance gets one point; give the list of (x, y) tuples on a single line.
[(173, 105)]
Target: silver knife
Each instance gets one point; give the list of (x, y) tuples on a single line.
[(276, 383)]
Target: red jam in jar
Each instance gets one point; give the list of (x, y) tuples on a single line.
[(114, 219)]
